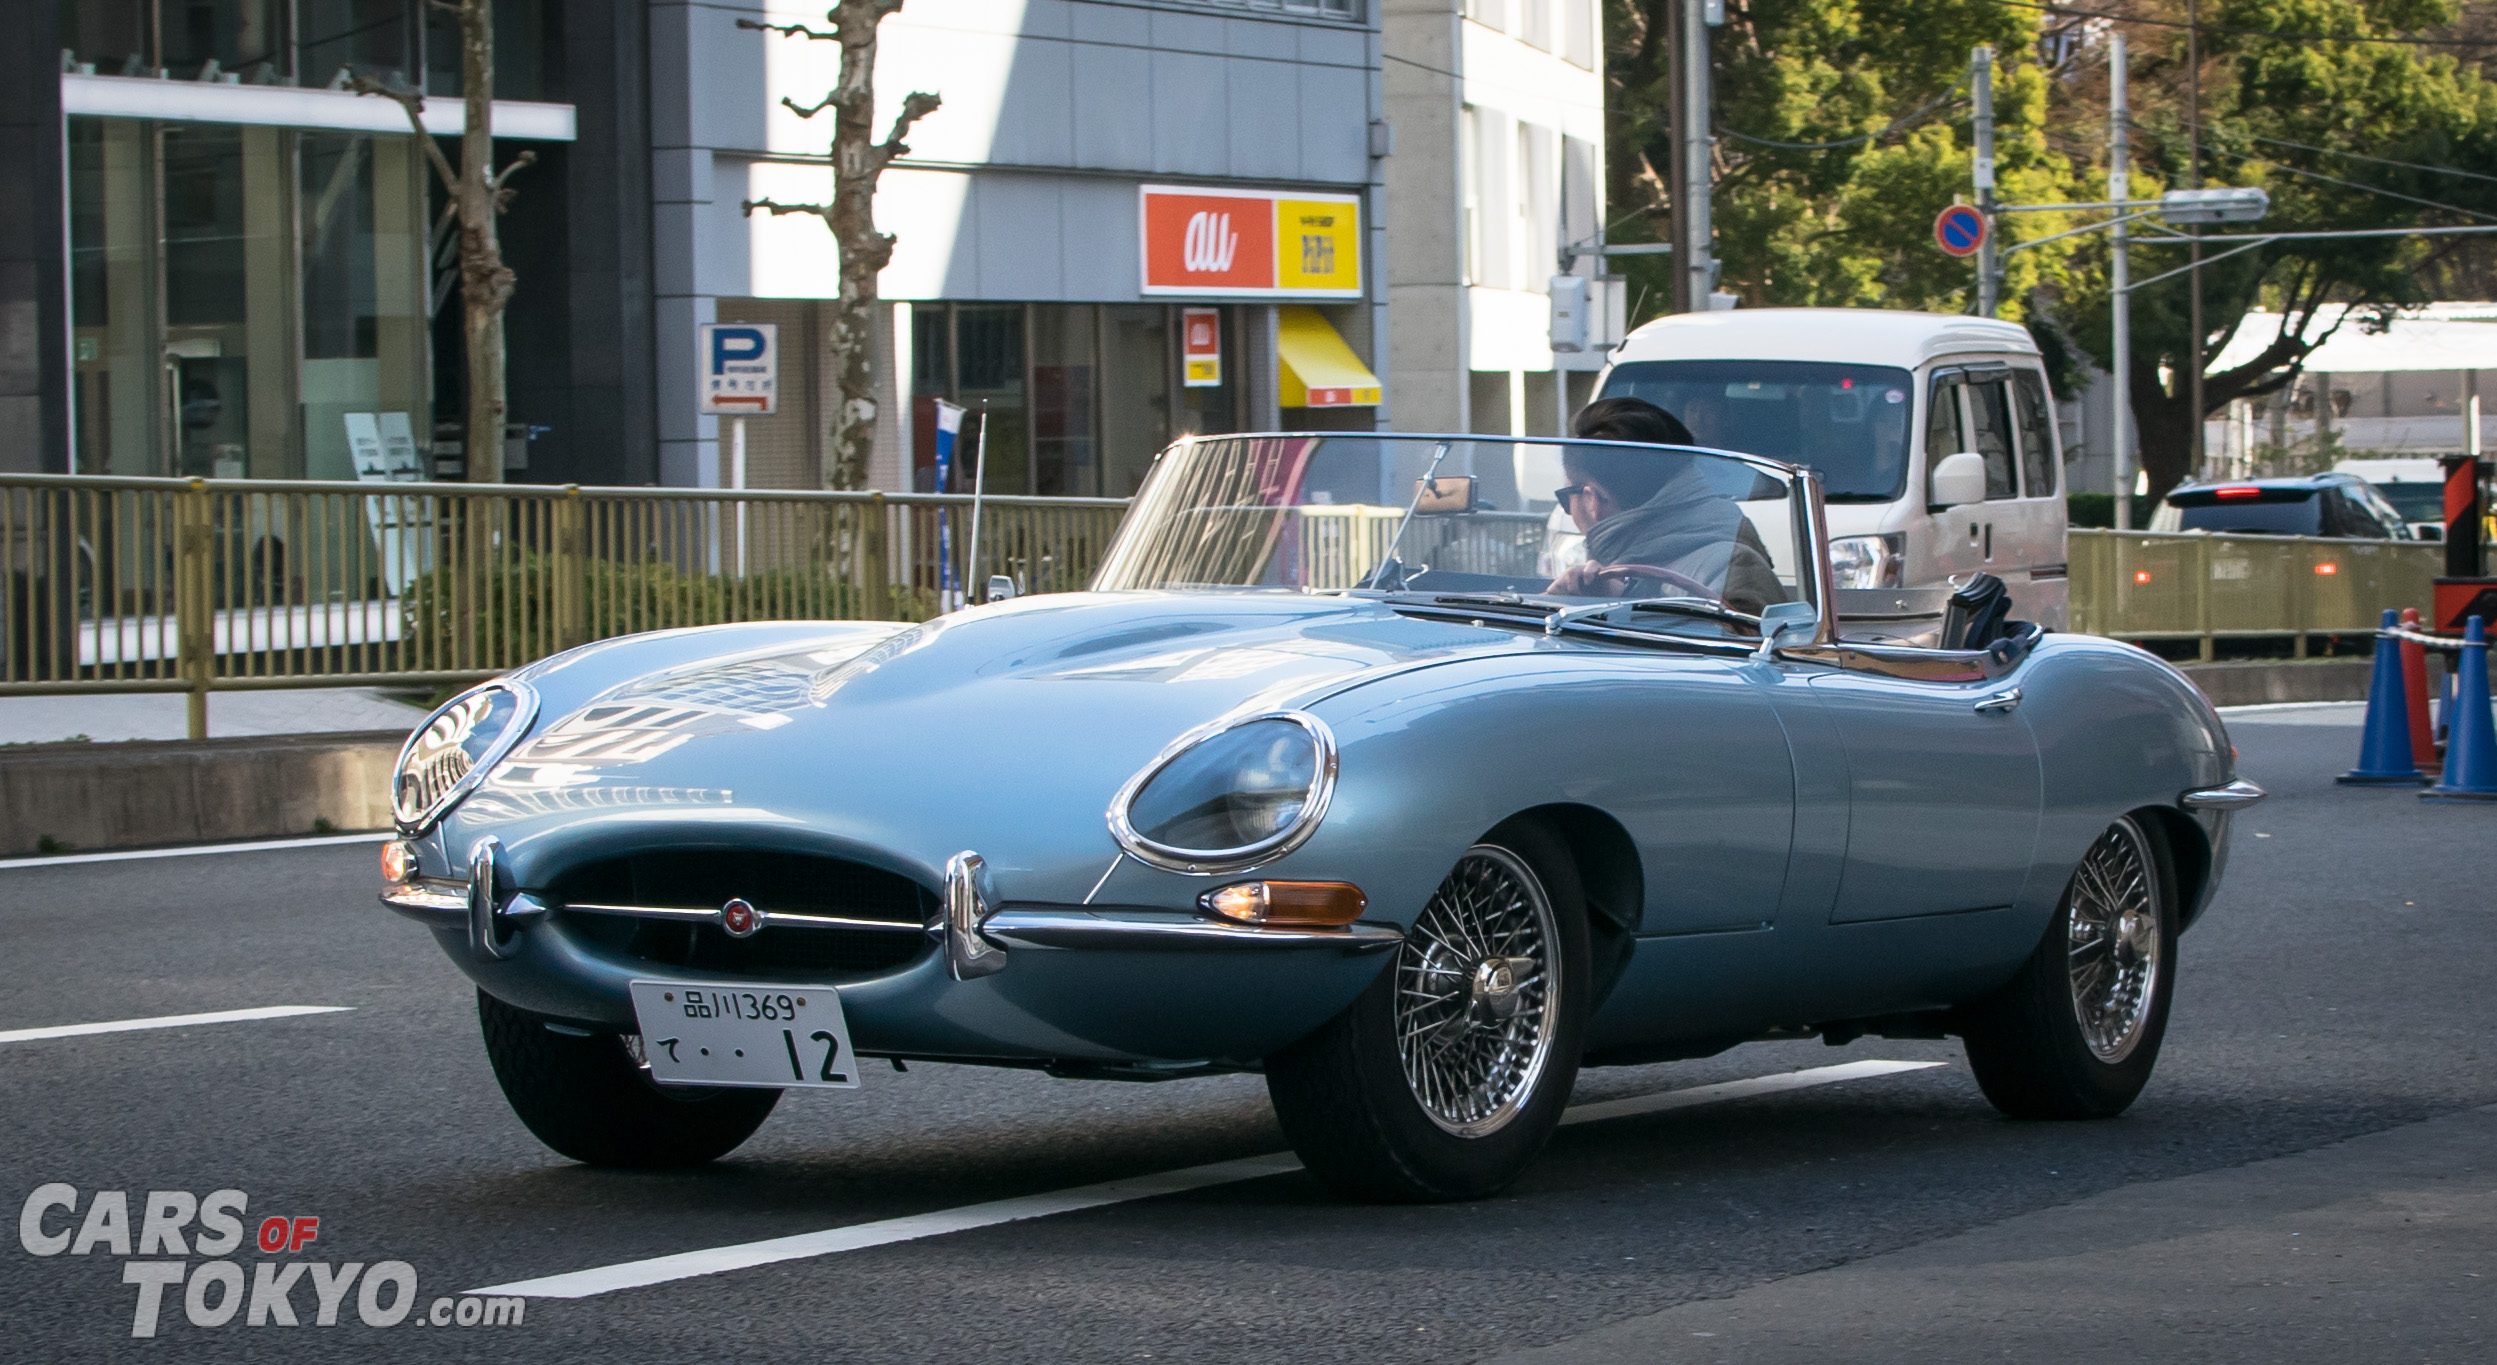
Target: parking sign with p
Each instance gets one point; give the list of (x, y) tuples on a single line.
[(740, 368)]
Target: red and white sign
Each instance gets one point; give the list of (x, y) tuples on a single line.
[(1249, 244), (1200, 345)]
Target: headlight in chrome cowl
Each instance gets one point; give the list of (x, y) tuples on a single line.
[(1229, 797), (1868, 561), (451, 752)]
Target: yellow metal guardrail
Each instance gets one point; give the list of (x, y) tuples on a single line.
[(2145, 585), (197, 586)]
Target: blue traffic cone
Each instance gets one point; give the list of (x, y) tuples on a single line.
[(2471, 754), (2384, 757)]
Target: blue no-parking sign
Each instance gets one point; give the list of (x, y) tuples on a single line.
[(1959, 230)]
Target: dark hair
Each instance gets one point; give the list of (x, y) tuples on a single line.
[(1629, 419), (1631, 478)]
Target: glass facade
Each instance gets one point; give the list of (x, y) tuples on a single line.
[(309, 42), (1079, 396), (235, 291)]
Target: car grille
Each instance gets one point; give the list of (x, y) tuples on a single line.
[(784, 883)]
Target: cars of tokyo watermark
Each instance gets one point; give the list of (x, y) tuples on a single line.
[(222, 1266)]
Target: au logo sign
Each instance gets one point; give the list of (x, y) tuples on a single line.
[(1243, 244)]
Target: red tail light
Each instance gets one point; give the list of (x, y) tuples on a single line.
[(2237, 494)]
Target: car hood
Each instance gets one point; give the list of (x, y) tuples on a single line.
[(1004, 729)]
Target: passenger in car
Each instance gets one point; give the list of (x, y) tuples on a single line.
[(1643, 511)]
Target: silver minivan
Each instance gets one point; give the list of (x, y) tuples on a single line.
[(1934, 435)]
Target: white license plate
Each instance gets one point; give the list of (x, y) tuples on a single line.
[(707, 1033)]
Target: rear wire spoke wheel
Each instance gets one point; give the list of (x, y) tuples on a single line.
[(1446, 1076), (2076, 1034)]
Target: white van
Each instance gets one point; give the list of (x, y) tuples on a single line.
[(1934, 435)]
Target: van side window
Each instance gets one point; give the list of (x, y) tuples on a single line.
[(1989, 419), (1942, 436), (2037, 436)]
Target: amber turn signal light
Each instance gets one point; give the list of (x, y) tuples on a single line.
[(398, 862), (1300, 905)]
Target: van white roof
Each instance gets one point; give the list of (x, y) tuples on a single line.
[(1844, 336)]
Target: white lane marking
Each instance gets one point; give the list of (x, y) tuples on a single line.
[(581, 1284), (28, 1035), (1735, 1090), (194, 850), (2261, 708)]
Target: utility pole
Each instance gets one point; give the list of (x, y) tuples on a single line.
[(1698, 246), (2193, 181), (1981, 85), (2120, 189)]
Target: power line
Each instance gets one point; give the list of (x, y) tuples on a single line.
[(2378, 160), (2078, 13), (2376, 189)]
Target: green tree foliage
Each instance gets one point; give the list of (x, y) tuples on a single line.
[(1873, 96)]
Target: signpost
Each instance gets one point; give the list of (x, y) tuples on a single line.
[(740, 376), (1959, 230)]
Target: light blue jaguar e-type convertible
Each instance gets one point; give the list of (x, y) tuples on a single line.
[(1413, 772)]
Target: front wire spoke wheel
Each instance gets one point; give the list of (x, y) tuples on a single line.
[(2117, 945), (1475, 993)]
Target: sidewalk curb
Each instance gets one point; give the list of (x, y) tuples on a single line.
[(139, 793)]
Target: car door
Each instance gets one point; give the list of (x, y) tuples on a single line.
[(1970, 409), (2029, 551), (1943, 784)]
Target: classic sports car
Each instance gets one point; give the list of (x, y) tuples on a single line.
[(1413, 772)]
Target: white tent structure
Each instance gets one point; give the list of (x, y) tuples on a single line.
[(2403, 390)]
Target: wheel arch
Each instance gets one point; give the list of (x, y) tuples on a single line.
[(1610, 876), (2189, 855)]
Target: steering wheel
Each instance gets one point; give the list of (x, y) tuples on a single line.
[(1668, 577)]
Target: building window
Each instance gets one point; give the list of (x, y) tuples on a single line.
[(1079, 397), (1470, 176), (236, 291)]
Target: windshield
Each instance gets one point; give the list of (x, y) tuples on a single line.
[(1847, 421), (1577, 521), (2414, 500)]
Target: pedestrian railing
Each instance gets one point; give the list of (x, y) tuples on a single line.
[(2145, 585), (197, 586)]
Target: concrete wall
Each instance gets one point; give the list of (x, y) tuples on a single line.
[(145, 793)]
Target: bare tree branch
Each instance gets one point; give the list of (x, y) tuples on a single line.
[(788, 30), (414, 104), (777, 209), (812, 110)]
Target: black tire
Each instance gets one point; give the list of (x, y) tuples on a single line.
[(1344, 1096), (2027, 1044), (585, 1097)]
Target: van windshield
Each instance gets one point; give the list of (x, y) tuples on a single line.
[(1849, 422)]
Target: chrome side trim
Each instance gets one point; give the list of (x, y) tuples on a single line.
[(1215, 862), (2235, 796), (965, 910), (769, 918), (1029, 927)]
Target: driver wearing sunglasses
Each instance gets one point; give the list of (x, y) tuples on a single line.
[(1653, 527)]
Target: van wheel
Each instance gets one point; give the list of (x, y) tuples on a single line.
[(585, 1096), (1450, 1072)]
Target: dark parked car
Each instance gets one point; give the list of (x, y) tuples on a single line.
[(2341, 505)]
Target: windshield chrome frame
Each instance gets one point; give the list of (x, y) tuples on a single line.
[(1804, 485)]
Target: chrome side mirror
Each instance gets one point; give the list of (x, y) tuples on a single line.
[(1784, 624), (1959, 480), (1000, 588)]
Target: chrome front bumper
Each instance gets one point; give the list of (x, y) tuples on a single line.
[(978, 935)]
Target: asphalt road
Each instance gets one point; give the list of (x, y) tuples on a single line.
[(2342, 987)]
